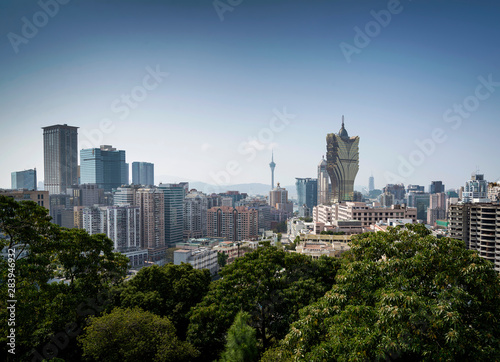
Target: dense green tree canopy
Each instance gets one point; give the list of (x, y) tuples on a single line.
[(133, 335), (269, 284), (44, 251), (170, 290), (402, 295), (241, 343)]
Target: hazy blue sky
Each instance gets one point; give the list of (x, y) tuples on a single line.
[(432, 68)]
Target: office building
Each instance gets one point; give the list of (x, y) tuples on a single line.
[(85, 195), (476, 190), (60, 157), (307, 192), (371, 184), (174, 212), (436, 187), (104, 166), (398, 191), (324, 186), (24, 180), (143, 173), (420, 201), (342, 161)]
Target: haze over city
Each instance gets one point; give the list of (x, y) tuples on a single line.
[(198, 89)]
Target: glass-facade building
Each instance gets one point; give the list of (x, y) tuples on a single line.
[(307, 192), (143, 173), (104, 166), (60, 158), (23, 180), (174, 212)]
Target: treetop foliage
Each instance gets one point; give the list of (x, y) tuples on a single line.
[(402, 295)]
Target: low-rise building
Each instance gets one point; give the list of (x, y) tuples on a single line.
[(201, 258), (318, 249)]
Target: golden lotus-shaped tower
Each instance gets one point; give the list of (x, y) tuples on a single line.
[(342, 164)]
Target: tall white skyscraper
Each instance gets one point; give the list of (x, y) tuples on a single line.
[(323, 183), (371, 183)]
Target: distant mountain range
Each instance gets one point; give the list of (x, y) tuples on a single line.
[(249, 188)]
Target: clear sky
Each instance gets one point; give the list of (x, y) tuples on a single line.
[(417, 81)]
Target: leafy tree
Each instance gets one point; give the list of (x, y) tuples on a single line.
[(402, 295), (170, 290), (44, 251), (241, 343), (293, 245), (222, 259), (269, 284), (133, 335)]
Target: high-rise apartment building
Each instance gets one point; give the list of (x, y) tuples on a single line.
[(342, 160), (307, 192), (120, 223), (477, 225), (195, 215), (233, 224), (278, 198), (104, 166), (143, 173), (174, 212), (24, 180), (94, 219), (60, 157), (324, 187), (151, 202), (437, 208), (124, 227)]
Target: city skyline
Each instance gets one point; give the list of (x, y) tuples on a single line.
[(421, 91)]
